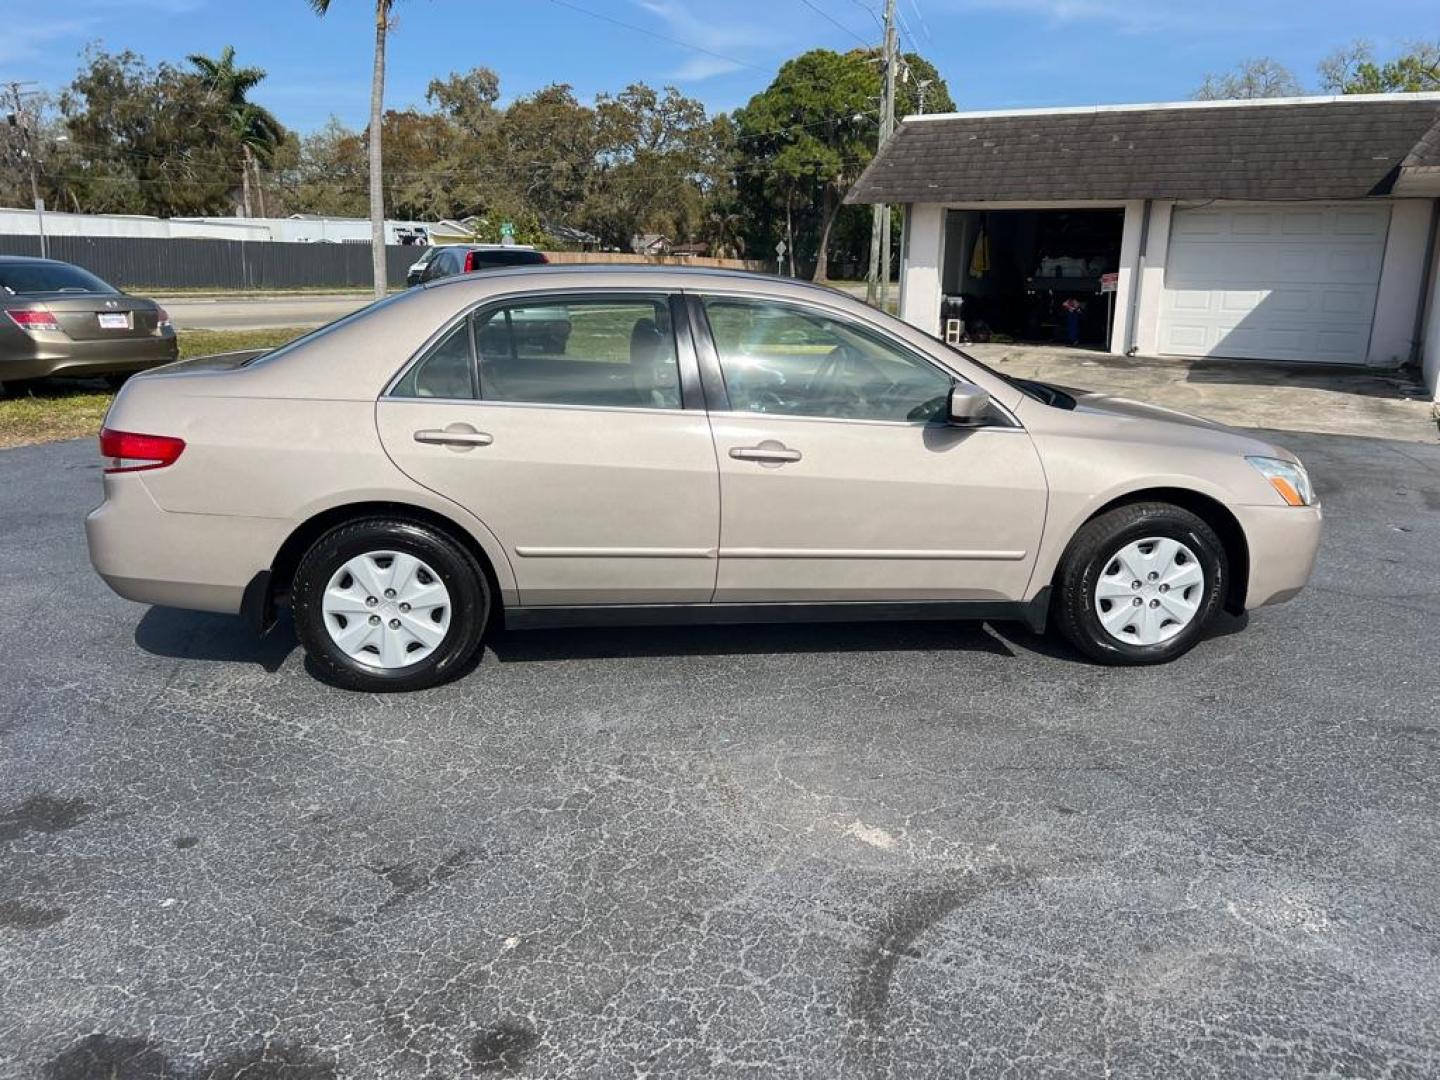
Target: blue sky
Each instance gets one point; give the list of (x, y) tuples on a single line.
[(994, 53)]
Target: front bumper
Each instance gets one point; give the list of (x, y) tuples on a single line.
[(1283, 541), (55, 354), (198, 561)]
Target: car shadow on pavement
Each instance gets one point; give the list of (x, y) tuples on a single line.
[(201, 635), (525, 646)]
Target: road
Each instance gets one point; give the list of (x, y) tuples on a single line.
[(834, 851), (260, 313)]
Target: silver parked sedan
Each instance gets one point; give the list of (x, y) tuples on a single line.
[(706, 446), (59, 319)]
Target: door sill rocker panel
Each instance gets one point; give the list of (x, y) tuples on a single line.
[(1031, 612)]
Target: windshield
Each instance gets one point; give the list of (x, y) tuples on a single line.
[(17, 279)]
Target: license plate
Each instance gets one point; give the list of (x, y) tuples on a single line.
[(117, 320)]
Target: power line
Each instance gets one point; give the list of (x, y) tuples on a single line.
[(871, 12), (924, 26), (657, 35), (831, 18)]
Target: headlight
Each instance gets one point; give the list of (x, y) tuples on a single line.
[(1289, 478)]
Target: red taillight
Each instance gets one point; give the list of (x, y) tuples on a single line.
[(543, 259), (32, 319), (162, 318), (469, 262), (129, 452)]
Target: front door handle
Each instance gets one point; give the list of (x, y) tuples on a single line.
[(768, 452), (455, 436)]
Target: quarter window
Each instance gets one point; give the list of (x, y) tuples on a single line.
[(786, 360), (445, 371), (617, 352)]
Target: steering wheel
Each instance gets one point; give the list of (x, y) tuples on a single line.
[(829, 381)]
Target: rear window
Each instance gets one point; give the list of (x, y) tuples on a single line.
[(508, 258), (17, 279)]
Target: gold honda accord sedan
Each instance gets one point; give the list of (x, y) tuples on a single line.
[(686, 446)]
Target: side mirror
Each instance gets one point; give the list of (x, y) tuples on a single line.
[(969, 405)]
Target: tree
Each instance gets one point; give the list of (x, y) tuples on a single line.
[(377, 119), (659, 157), (467, 100), (1258, 78), (1354, 70), (331, 175), (142, 140), (805, 139), (256, 130)]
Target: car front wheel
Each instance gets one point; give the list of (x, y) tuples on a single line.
[(1139, 583), (388, 604)]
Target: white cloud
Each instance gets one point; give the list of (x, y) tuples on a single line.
[(725, 39), (23, 39), (1135, 16), (701, 66)]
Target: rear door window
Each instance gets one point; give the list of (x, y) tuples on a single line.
[(617, 352)]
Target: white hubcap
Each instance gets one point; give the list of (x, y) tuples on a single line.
[(386, 609), (1149, 591)]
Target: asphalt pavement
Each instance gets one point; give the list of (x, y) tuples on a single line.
[(836, 851)]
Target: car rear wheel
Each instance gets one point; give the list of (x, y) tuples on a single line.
[(387, 604), (1139, 583)]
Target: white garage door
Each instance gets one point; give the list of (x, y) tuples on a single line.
[(1273, 282)]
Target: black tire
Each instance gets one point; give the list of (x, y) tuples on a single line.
[(115, 382), (1093, 549), (457, 569)]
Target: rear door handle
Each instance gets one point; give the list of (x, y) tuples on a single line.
[(456, 436), (769, 452)]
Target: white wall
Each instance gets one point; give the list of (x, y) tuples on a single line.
[(16, 222), (1122, 327), (1152, 278), (924, 262), (1401, 275)]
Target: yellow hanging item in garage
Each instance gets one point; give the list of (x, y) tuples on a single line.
[(980, 257)]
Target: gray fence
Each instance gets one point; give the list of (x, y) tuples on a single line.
[(156, 263)]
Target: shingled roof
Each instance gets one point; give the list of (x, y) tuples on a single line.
[(1296, 148)]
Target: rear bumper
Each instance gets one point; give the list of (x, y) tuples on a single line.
[(1283, 541), (44, 357), (199, 561)]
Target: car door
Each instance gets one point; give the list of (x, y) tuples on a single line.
[(560, 421), (839, 479)]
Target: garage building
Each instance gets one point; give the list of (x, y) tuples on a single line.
[(1296, 229)]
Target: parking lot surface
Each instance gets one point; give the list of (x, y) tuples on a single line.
[(836, 851)]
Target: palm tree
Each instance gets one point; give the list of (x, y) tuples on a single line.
[(377, 107), (257, 131)]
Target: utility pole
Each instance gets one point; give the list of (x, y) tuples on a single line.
[(877, 284), (18, 119)]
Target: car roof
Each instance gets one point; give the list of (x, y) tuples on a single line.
[(674, 277)]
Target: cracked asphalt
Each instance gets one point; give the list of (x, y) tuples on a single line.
[(839, 851)]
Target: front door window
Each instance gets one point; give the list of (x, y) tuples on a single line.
[(793, 361)]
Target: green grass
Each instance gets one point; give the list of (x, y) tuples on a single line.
[(49, 410)]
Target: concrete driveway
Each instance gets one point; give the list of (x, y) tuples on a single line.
[(1325, 398), (794, 851)]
